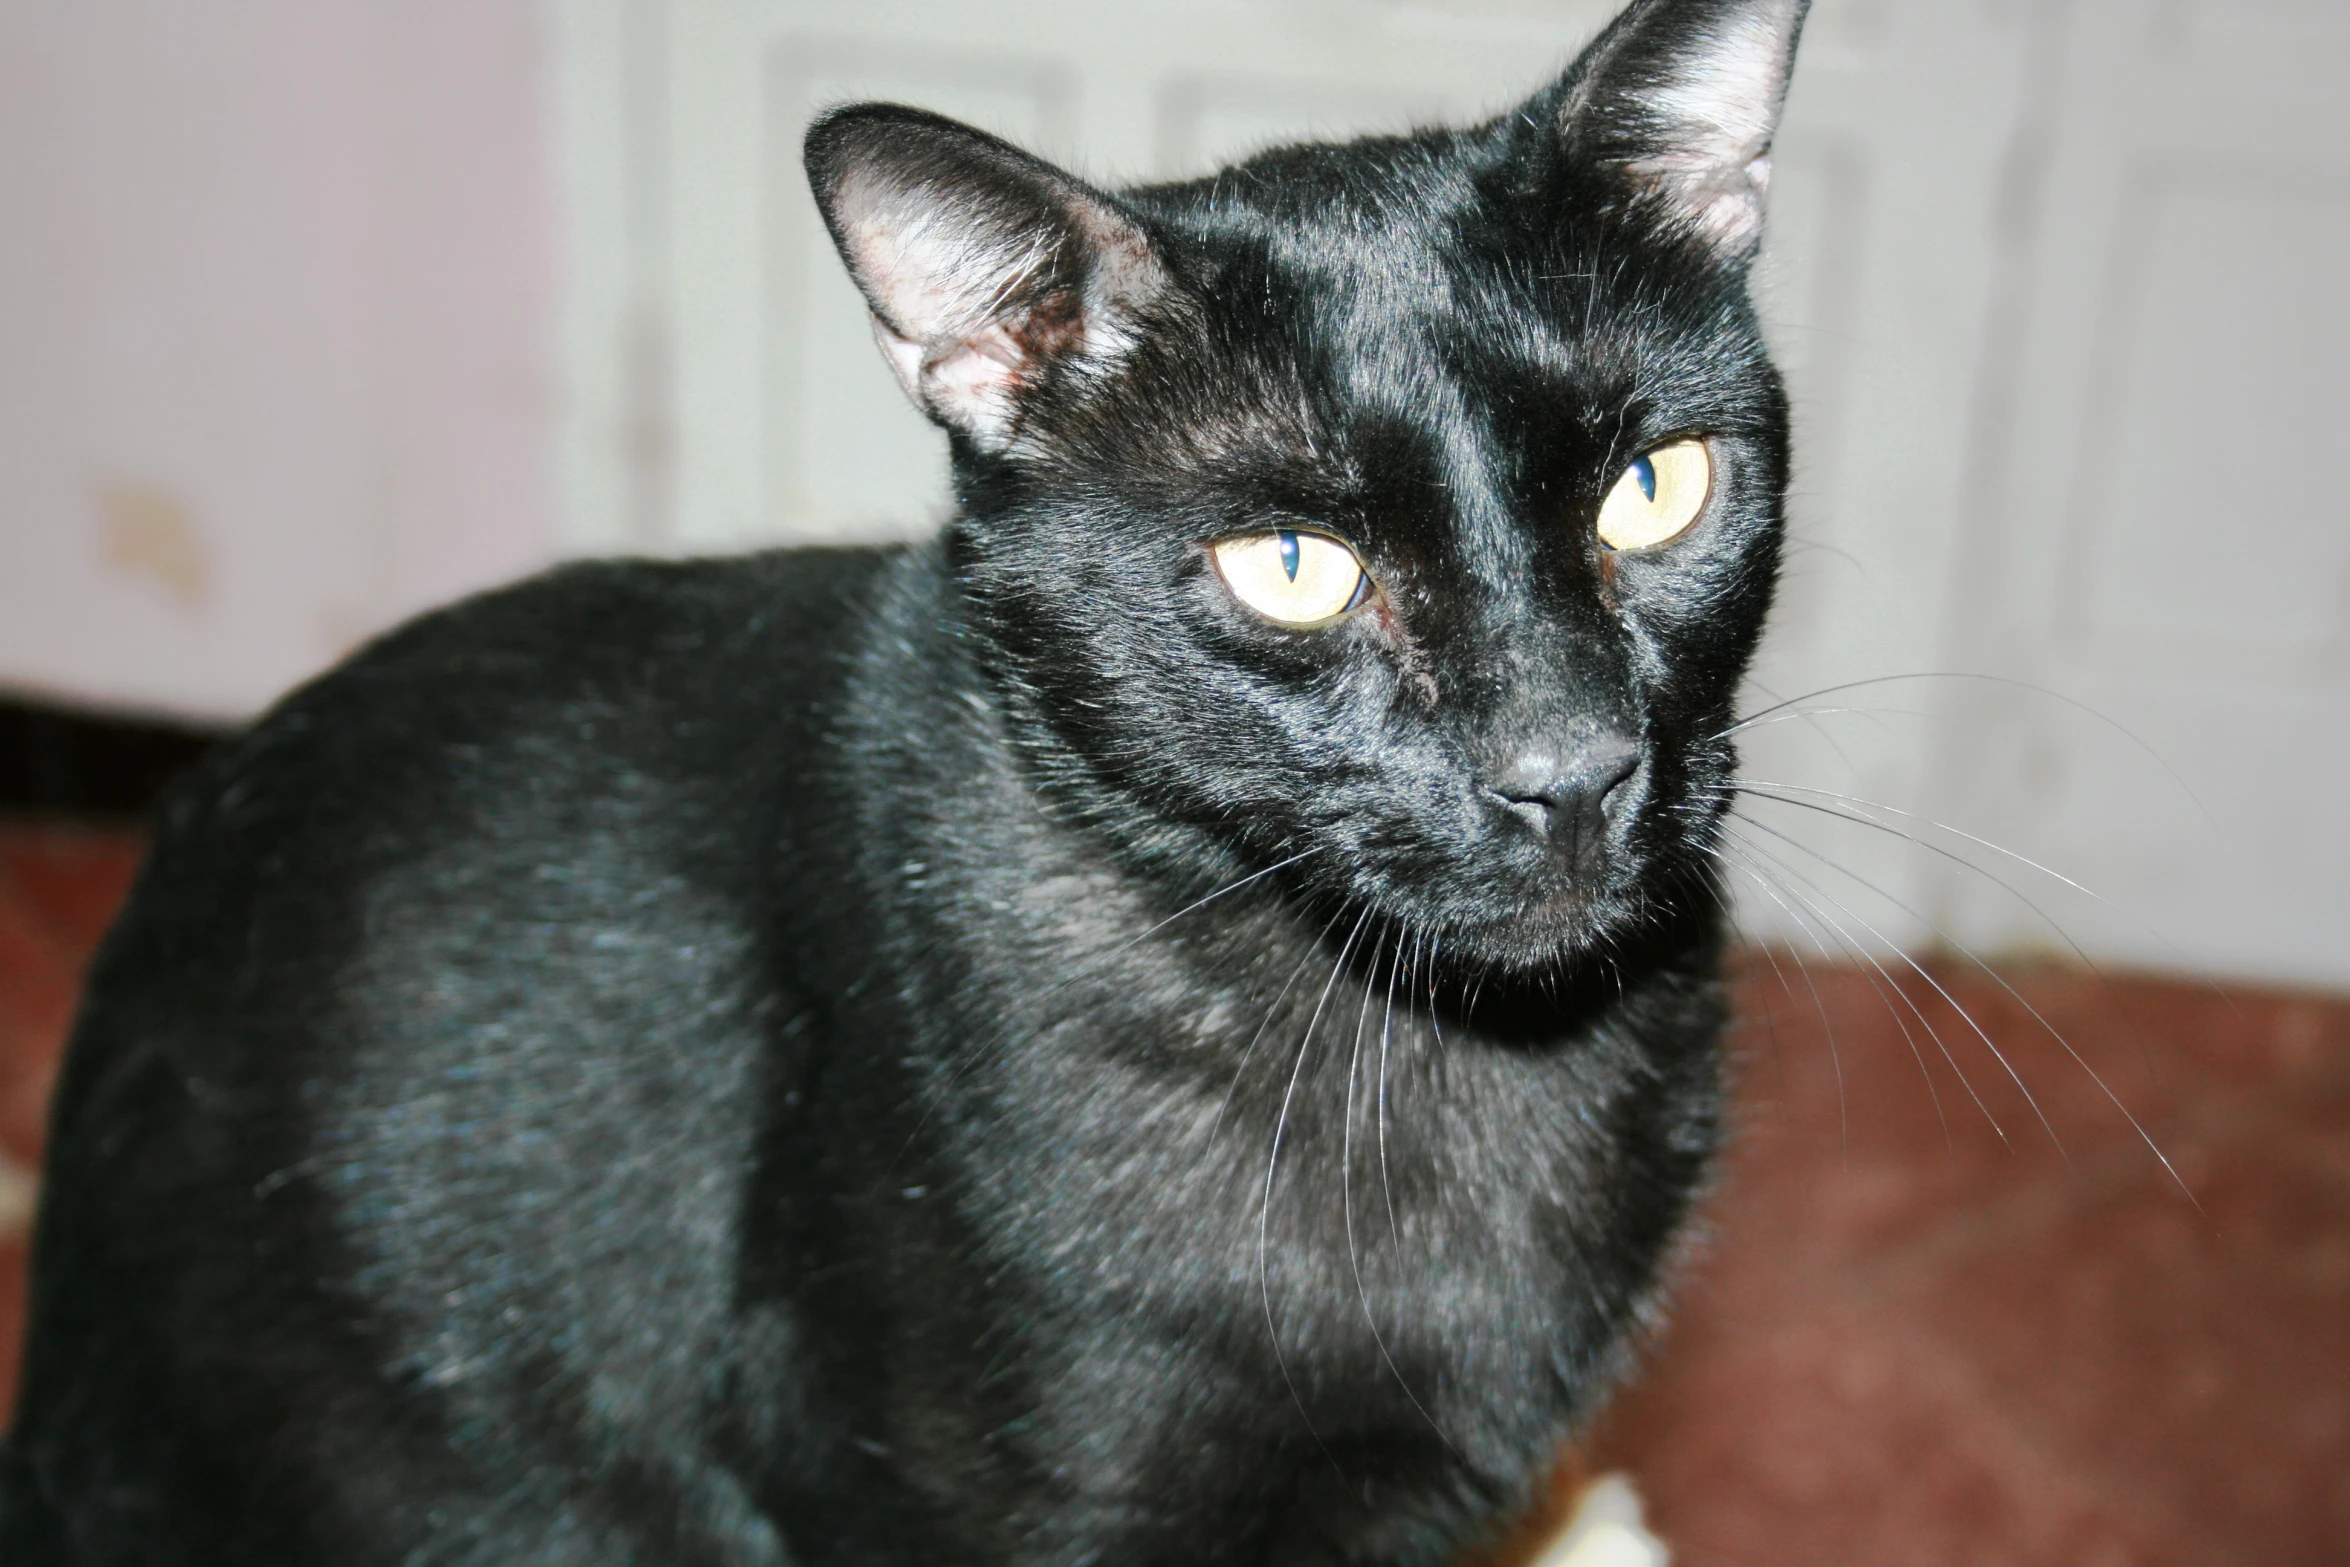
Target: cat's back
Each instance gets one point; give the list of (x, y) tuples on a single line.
[(432, 1041), (592, 738)]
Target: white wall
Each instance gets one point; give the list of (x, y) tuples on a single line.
[(277, 331), (288, 293)]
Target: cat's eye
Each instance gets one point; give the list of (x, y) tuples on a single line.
[(1658, 497), (1291, 577)]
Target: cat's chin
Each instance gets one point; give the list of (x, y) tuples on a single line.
[(1563, 930)]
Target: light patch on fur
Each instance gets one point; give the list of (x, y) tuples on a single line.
[(1720, 109), (20, 1193), (1608, 1530)]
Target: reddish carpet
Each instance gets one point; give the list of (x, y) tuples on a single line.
[(1912, 1337)]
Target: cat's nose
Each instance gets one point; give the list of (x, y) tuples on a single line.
[(1566, 795)]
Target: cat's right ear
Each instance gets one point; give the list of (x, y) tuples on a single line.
[(985, 267)]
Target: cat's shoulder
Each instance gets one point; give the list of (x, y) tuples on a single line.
[(662, 628), (651, 690)]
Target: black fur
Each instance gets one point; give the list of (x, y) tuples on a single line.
[(986, 1052)]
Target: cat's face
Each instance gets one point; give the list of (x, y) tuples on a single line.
[(1410, 506)]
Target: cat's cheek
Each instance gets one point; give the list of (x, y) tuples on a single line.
[(1328, 658), (1686, 590)]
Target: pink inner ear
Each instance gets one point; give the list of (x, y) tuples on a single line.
[(1720, 107), (1725, 201), (975, 288), (967, 381), (946, 283), (928, 274)]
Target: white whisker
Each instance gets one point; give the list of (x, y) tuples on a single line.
[(1346, 1197), (1920, 970), (1888, 991), (2054, 1033), (1273, 1164), (1999, 680), (1386, 1032), (1758, 788), (1241, 1066)]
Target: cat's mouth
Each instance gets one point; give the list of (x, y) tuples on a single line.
[(1507, 889)]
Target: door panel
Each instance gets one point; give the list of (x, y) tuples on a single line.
[(2166, 539)]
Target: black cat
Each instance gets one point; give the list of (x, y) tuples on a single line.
[(1170, 1025)]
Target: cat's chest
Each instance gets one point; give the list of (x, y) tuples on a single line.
[(1326, 1155)]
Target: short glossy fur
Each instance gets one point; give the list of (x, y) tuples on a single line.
[(988, 1051)]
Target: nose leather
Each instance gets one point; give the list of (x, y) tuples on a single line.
[(1566, 798)]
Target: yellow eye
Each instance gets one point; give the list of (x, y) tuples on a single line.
[(1658, 497), (1293, 579)]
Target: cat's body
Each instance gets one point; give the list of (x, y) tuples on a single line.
[(986, 1052)]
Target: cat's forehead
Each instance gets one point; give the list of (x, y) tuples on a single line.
[(1333, 179), (1413, 301), (1416, 352), (1338, 219), (1434, 257)]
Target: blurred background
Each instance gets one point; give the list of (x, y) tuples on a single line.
[(314, 313)]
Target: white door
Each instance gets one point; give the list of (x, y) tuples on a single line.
[(2163, 533), (276, 284)]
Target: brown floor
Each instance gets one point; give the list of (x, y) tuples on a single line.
[(58, 889), (1902, 1344)]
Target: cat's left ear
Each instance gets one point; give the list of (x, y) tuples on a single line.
[(986, 268), (1680, 99)]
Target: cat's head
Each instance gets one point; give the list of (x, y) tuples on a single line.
[(1410, 504)]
